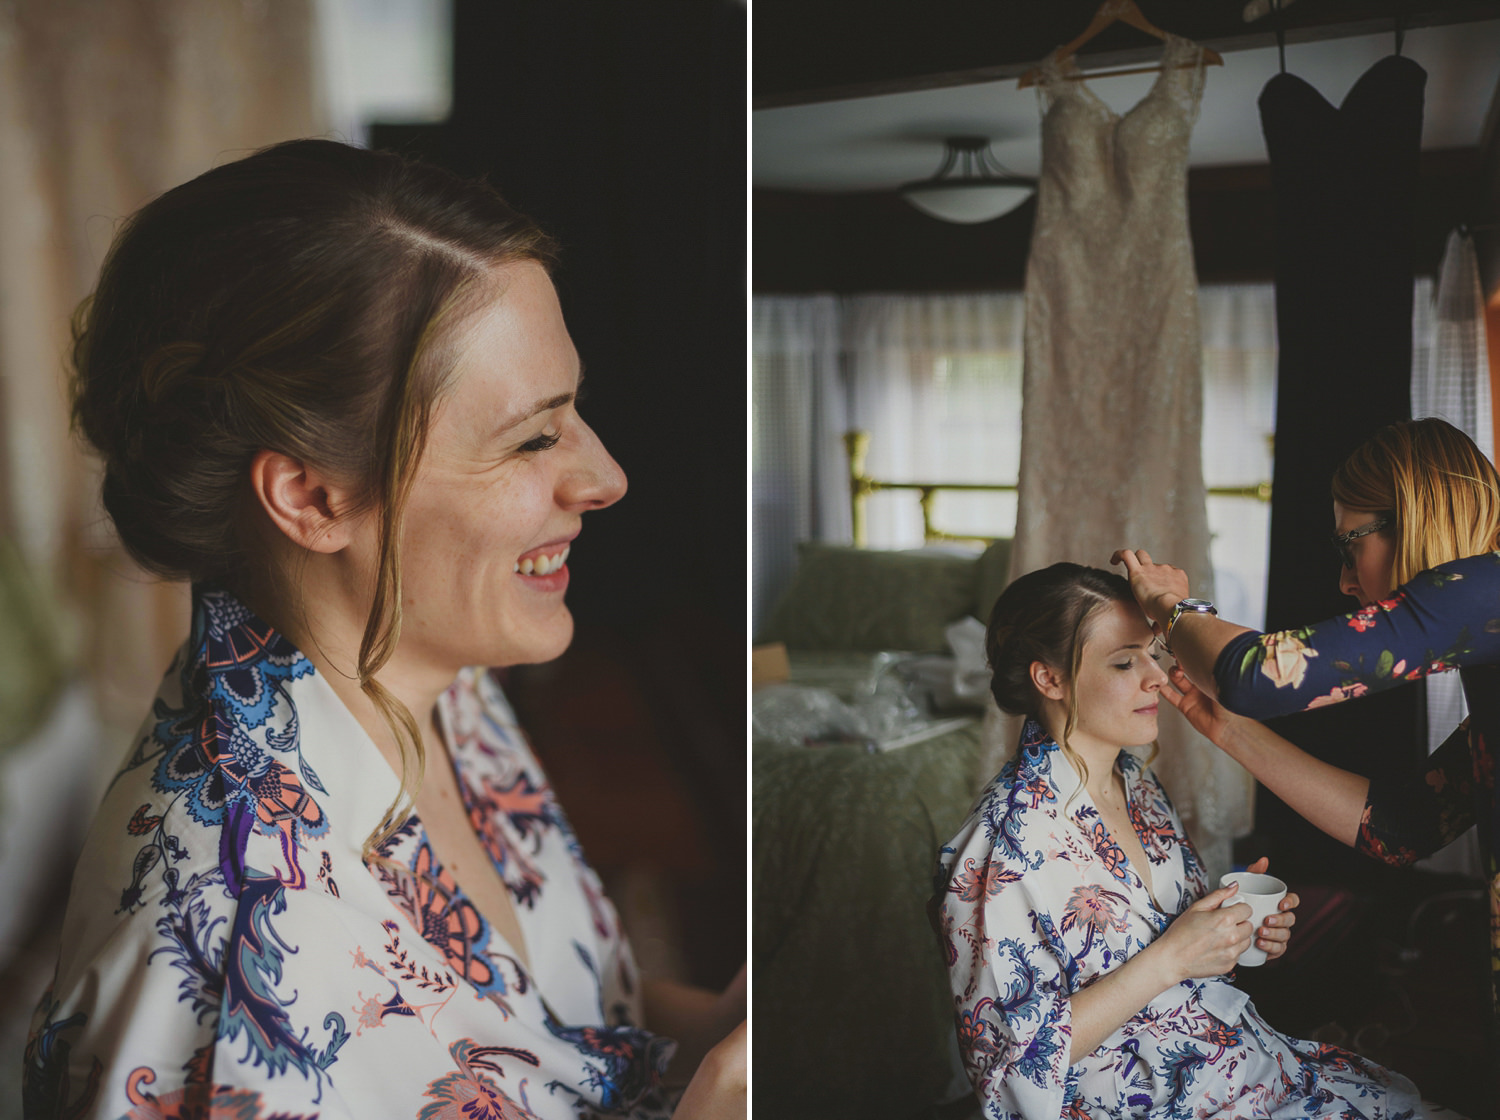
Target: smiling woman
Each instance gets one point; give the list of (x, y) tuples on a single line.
[(335, 390)]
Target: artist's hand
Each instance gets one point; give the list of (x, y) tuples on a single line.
[(1205, 940), (1276, 930), (718, 1088), (1157, 587), (1208, 717)]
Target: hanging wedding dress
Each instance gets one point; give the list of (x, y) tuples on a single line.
[(1112, 416)]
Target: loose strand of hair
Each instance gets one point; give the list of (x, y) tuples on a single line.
[(383, 626), (383, 633), (1069, 724)]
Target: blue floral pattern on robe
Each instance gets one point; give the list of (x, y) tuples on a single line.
[(1037, 902), (227, 952)]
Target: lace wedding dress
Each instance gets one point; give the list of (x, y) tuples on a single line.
[(1112, 415)]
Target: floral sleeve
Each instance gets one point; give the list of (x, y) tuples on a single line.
[(1405, 820), (1445, 618), (1014, 1026)]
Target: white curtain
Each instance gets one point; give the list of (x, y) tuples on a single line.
[(1450, 359), (103, 106), (1238, 322), (799, 477), (936, 381), (1451, 379)]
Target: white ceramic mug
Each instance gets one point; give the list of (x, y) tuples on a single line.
[(1263, 894)]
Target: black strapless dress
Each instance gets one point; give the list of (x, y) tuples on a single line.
[(1345, 184)]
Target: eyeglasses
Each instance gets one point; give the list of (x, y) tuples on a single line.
[(1342, 541)]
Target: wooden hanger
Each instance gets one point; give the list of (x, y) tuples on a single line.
[(1114, 11)]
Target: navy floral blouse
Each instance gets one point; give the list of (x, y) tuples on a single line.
[(1445, 618)]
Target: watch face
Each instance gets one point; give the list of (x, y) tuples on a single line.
[(1195, 604)]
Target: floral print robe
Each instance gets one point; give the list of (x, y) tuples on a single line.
[(1037, 902), (1443, 619), (227, 951)]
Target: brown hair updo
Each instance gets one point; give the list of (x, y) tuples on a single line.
[(296, 300), (1046, 616), (1443, 492)]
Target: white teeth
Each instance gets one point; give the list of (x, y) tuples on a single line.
[(544, 565)]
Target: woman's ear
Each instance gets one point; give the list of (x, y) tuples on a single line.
[(1048, 681), (301, 501)]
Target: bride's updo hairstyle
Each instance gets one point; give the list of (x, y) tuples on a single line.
[(1046, 616), (298, 300)]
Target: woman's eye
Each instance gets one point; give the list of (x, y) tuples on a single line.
[(1126, 664), (543, 442), (1156, 657)]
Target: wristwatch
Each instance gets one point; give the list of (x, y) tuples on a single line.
[(1185, 606)]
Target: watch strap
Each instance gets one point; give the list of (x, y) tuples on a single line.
[(1185, 606)]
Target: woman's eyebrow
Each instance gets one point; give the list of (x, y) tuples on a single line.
[(543, 406), (1121, 649)]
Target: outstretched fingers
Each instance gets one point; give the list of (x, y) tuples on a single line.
[(1132, 558)]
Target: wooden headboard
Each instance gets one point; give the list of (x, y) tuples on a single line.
[(861, 486)]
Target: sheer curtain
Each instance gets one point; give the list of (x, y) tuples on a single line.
[(1238, 323), (936, 381), (103, 106), (799, 479), (1451, 379)]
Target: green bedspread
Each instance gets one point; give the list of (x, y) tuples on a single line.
[(853, 1017)]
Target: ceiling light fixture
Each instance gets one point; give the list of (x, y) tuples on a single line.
[(971, 186)]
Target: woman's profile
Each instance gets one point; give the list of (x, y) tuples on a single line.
[(1416, 512), (334, 390), (1086, 953)]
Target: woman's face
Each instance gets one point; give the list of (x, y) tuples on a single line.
[(1370, 577), (1118, 680), (508, 471)]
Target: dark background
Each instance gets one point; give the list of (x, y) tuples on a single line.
[(620, 127)]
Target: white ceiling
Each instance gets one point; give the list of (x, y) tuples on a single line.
[(875, 143)]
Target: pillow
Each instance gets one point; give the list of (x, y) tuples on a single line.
[(845, 598)]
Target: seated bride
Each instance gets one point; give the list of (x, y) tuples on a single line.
[(1086, 953)]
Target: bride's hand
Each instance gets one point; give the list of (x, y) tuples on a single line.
[(1208, 717), (1157, 587), (1276, 930)]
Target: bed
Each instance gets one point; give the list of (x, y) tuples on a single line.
[(852, 1011)]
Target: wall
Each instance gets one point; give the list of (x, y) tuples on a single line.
[(805, 242)]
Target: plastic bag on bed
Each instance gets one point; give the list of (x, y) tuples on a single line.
[(804, 715), (957, 682)]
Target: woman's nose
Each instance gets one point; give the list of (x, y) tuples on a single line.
[(1349, 582), (1155, 678), (596, 480)]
